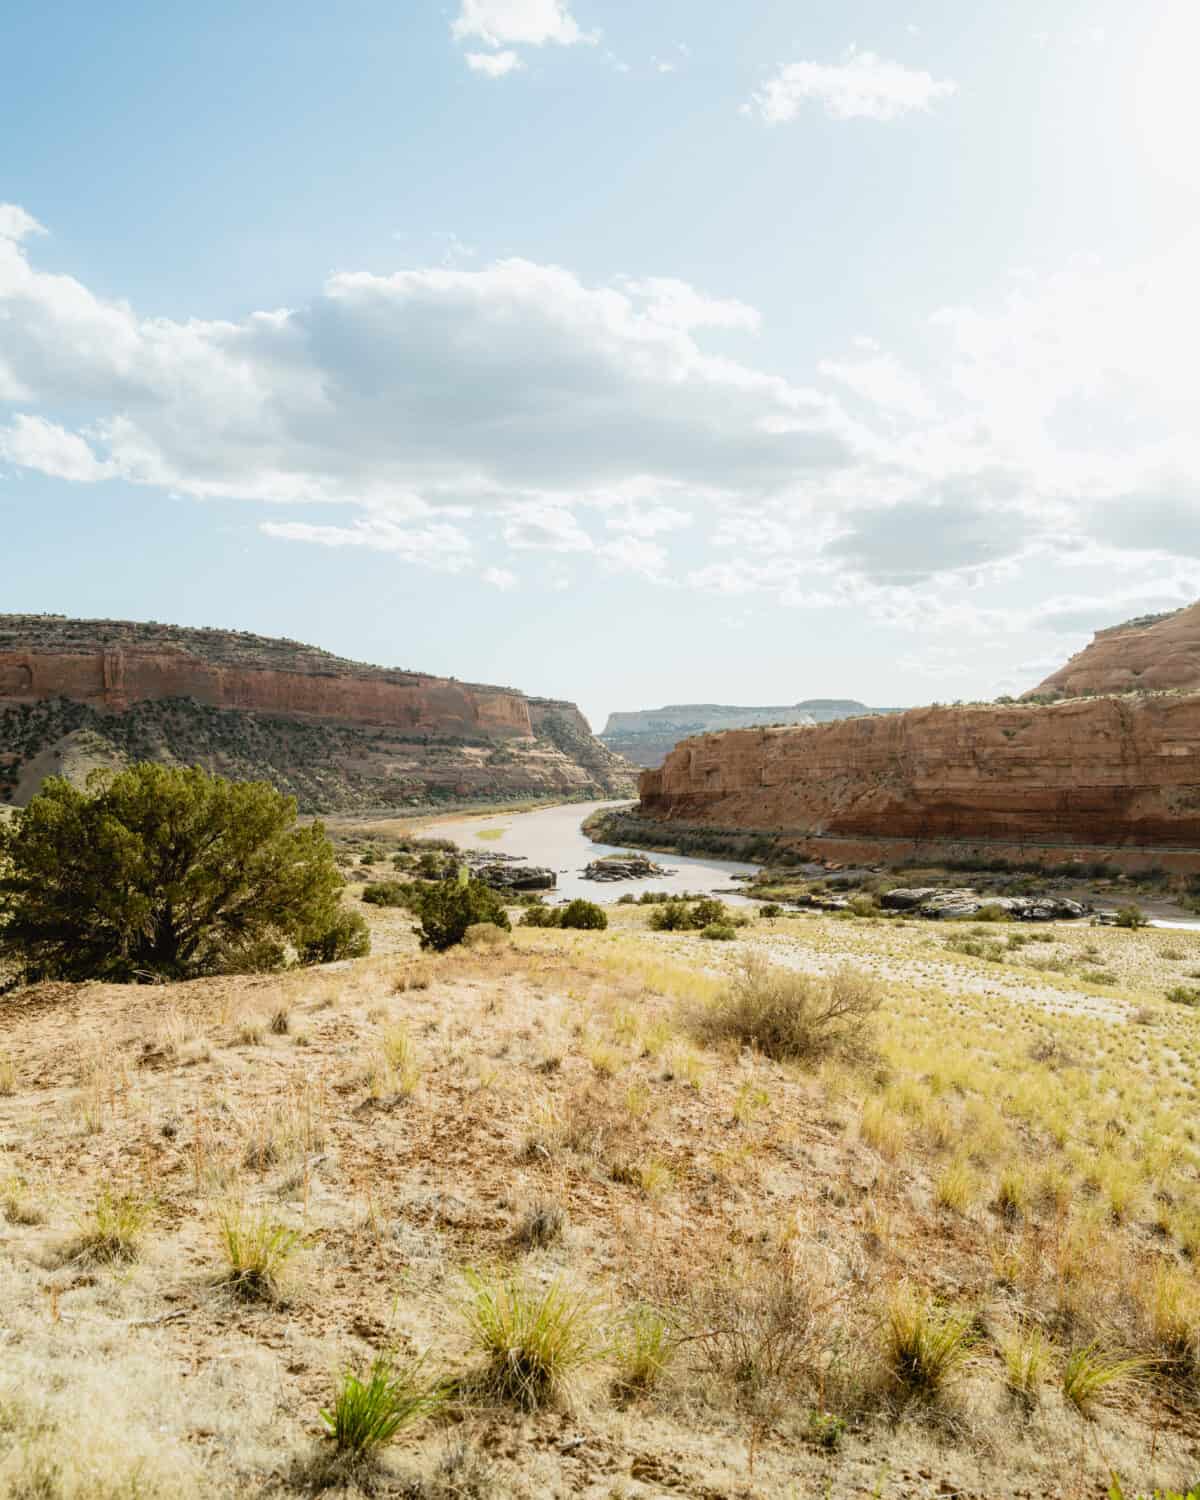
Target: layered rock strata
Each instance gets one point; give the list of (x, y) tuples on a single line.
[(1092, 773), (1157, 653)]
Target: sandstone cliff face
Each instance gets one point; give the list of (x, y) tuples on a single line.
[(339, 735), (116, 672), (1094, 772), (1139, 656), (647, 736)]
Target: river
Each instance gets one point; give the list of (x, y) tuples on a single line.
[(552, 836)]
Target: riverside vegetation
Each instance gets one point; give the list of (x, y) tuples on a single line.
[(845, 1206)]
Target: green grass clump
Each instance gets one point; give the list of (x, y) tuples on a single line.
[(643, 1350), (533, 1339), (1088, 1373), (925, 1347), (257, 1251), (368, 1411), (114, 1228)]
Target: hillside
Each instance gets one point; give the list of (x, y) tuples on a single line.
[(1154, 653), (338, 735), (647, 736), (740, 1242)]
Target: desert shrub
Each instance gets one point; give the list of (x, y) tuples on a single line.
[(784, 1014), (346, 936), (770, 909), (1132, 916), (485, 935), (369, 1412), (1181, 994), (369, 857), (583, 914), (542, 916), (533, 1339), (706, 911), (387, 893), (540, 1225), (671, 916), (864, 905), (719, 932), (449, 907), (159, 872)]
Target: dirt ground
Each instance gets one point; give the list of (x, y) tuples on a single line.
[(1018, 1147)]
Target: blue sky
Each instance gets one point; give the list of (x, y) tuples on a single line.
[(628, 352)]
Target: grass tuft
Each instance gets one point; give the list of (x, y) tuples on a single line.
[(534, 1340), (368, 1411), (257, 1250), (1088, 1373), (114, 1228), (925, 1347)]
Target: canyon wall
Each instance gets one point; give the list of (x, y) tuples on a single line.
[(113, 674), (339, 735), (1153, 654), (1098, 772)]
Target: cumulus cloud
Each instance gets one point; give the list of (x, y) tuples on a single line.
[(499, 578), (493, 64), (862, 86), (16, 224), (454, 416), (514, 23)]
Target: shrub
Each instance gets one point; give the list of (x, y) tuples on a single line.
[(1181, 994), (160, 872), (485, 935), (346, 936), (533, 1339), (1132, 916), (542, 916), (449, 907), (924, 1347), (770, 909), (369, 1412), (719, 932), (583, 914), (789, 1015), (387, 893), (671, 916)]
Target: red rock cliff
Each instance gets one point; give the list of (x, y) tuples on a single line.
[(1152, 655), (1105, 771), (124, 664)]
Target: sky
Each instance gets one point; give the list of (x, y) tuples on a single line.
[(627, 352)]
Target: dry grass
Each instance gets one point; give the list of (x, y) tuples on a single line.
[(767, 1248), (790, 1016)]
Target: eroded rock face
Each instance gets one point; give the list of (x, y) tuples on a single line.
[(338, 735), (1158, 654), (124, 664), (1093, 772)]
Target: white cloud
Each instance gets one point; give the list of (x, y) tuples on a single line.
[(530, 23), (453, 413), (441, 547), (16, 224), (679, 305), (499, 578), (634, 554), (545, 528), (493, 64), (862, 86), (33, 443)]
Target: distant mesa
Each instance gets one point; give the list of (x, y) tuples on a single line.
[(647, 736), (338, 734)]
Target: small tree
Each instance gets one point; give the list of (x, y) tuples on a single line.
[(448, 908), (163, 872)]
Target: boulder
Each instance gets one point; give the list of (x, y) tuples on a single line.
[(631, 867)]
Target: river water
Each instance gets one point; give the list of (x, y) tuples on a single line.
[(552, 836)]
